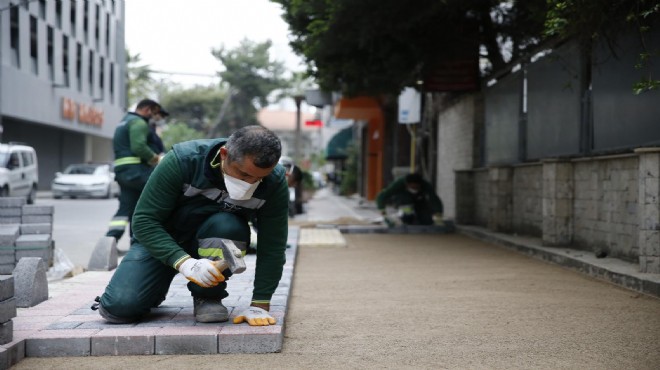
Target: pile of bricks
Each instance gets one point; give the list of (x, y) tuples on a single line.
[(7, 309), (25, 231)]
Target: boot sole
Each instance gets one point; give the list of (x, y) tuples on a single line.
[(213, 317)]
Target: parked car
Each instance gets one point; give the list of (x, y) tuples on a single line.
[(19, 174), (94, 180)]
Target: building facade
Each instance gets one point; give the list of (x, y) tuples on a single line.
[(62, 79)]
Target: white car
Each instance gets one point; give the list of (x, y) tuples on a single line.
[(85, 180), (19, 174)]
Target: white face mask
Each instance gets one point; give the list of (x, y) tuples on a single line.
[(239, 189), (412, 191)]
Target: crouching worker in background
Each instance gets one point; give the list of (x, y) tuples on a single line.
[(197, 202), (415, 200)]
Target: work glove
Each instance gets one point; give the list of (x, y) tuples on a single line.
[(386, 219), (202, 272), (255, 316), (437, 220)]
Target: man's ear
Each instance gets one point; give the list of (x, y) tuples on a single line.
[(223, 153)]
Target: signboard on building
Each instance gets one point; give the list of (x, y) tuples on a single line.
[(410, 105)]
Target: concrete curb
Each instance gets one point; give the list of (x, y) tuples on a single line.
[(616, 271)]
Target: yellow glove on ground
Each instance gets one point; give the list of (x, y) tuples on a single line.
[(437, 220), (255, 316)]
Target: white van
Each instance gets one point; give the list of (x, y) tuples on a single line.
[(19, 173)]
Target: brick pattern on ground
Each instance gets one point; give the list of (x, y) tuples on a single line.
[(169, 329)]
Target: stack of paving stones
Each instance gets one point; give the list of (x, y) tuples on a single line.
[(7, 309), (25, 231), (65, 325)]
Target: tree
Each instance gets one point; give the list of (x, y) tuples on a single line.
[(197, 107), (375, 47), (139, 82), (250, 75), (178, 132)]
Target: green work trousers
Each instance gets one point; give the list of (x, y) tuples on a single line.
[(131, 179), (141, 281)]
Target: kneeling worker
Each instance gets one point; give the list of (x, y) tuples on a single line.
[(415, 200), (196, 203)]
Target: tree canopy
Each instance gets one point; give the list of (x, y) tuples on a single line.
[(379, 46)]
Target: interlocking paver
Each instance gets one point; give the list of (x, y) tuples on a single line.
[(65, 325)]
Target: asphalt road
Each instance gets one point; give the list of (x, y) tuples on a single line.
[(79, 223)]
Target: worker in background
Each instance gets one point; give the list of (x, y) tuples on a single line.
[(415, 200)]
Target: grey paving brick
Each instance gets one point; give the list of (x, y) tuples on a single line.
[(6, 332), (42, 228), (186, 344), (31, 209), (249, 343), (63, 325), (58, 347), (35, 219), (11, 354), (123, 345), (11, 220), (12, 202), (7, 268), (7, 309), (30, 282), (11, 212), (6, 287), (33, 240)]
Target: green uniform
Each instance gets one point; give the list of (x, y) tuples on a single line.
[(184, 210), (134, 157), (418, 208)]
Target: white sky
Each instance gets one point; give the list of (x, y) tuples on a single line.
[(178, 35)]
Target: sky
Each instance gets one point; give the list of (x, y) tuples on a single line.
[(178, 35)]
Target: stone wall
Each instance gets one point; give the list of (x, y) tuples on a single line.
[(481, 197), (528, 199), (605, 206)]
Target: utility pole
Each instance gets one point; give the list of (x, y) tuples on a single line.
[(298, 99)]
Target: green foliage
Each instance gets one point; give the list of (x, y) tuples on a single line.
[(139, 82), (592, 20), (179, 132), (198, 107), (376, 47), (308, 181), (251, 76)]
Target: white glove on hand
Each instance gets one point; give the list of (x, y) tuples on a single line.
[(255, 316), (201, 272), (437, 220)]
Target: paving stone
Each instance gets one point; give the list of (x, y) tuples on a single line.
[(6, 332), (9, 202), (30, 282), (248, 339), (7, 309), (63, 325), (11, 354), (6, 287), (11, 220), (36, 219), (104, 257), (125, 345), (58, 347), (7, 268), (41, 228), (321, 238), (11, 212), (187, 341), (31, 209)]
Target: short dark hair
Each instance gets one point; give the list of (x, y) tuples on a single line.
[(147, 103), (414, 178), (257, 142)]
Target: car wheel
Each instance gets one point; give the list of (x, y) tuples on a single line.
[(4, 192), (32, 195), (57, 197)]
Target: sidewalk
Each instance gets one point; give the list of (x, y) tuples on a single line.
[(65, 326)]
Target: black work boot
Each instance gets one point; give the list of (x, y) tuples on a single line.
[(209, 310)]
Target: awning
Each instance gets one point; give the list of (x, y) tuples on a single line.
[(338, 145)]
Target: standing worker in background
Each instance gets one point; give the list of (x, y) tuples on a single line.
[(416, 201), (136, 155), (196, 204)]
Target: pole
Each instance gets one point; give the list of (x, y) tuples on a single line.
[(298, 99), (412, 148)]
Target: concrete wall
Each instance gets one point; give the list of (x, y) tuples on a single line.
[(455, 146), (528, 199), (605, 205)]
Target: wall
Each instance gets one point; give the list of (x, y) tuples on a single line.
[(528, 199), (605, 205), (455, 145)]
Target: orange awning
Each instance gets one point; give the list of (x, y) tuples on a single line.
[(360, 108)]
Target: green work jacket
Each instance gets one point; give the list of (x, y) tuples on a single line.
[(184, 190), (131, 139)]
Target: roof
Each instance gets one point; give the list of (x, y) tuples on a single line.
[(281, 120)]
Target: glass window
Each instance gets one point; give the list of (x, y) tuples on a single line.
[(90, 74), (79, 65), (50, 57), (65, 60), (86, 20), (13, 36), (42, 9), (27, 158), (72, 16), (33, 44), (58, 13)]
